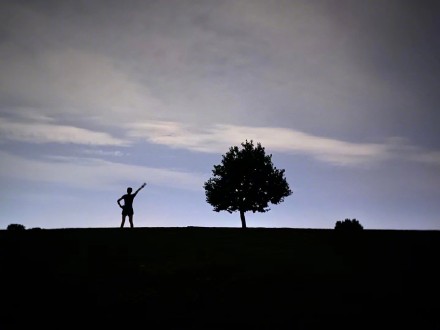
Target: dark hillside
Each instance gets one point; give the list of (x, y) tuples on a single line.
[(204, 278)]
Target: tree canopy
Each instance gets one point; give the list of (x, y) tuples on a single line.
[(246, 180)]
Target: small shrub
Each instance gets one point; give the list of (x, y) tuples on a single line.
[(348, 225), (15, 226)]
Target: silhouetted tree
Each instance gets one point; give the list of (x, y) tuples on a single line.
[(348, 225), (246, 180), (15, 226)]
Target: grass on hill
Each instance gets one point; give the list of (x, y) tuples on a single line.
[(220, 277)]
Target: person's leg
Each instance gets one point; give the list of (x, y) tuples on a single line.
[(130, 218), (123, 221)]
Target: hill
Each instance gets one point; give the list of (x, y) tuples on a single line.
[(218, 278)]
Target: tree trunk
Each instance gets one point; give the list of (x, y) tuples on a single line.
[(243, 220)]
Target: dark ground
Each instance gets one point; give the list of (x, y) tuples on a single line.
[(220, 278)]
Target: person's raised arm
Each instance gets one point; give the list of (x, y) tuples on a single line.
[(140, 188)]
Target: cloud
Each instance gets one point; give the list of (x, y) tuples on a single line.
[(75, 84), (111, 153), (248, 62), (49, 132), (218, 138), (432, 157), (92, 173)]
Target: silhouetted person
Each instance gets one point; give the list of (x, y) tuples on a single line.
[(127, 208)]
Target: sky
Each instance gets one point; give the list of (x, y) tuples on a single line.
[(97, 96)]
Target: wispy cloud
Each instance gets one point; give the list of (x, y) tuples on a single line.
[(100, 153), (49, 132), (92, 173), (429, 157), (218, 138)]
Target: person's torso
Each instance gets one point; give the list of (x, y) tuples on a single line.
[(128, 201)]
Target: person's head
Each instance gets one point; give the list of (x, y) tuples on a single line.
[(129, 190)]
